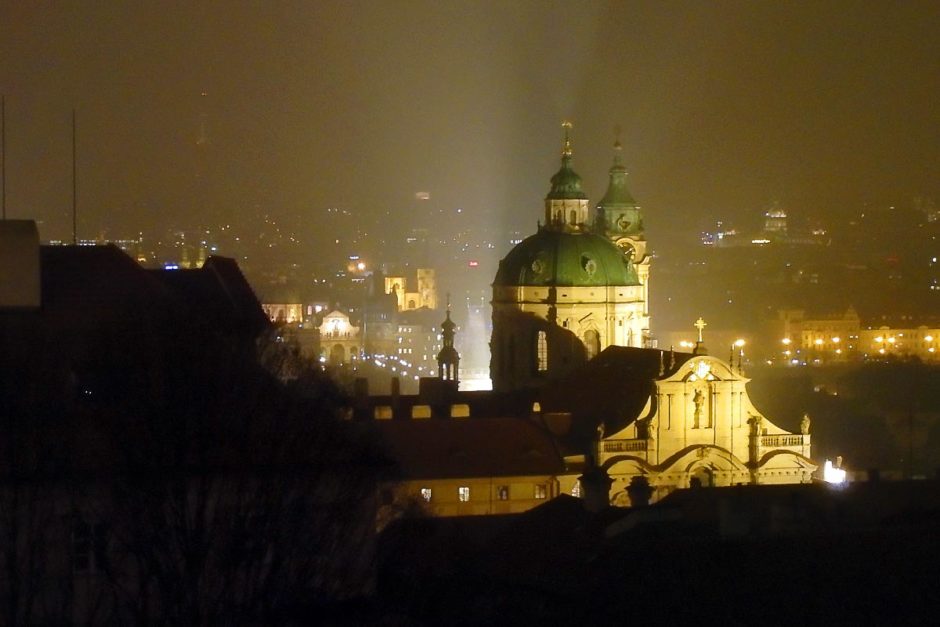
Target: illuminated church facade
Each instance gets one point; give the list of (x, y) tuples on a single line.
[(571, 318), (581, 402), (575, 287)]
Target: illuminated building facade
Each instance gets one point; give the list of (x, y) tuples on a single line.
[(340, 341), (492, 465), (920, 342), (572, 289), (820, 338), (424, 294), (680, 420), (284, 313), (841, 337)]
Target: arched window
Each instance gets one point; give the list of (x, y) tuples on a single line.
[(574, 217), (541, 352), (592, 342)]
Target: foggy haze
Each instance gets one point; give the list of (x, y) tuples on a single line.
[(724, 107)]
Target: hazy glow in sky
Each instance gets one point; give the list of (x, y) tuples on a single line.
[(724, 106)]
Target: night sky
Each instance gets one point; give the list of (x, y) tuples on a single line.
[(724, 107)]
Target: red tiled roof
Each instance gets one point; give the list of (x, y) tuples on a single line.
[(485, 447)]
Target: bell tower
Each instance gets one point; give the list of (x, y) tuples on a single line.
[(448, 359), (619, 218)]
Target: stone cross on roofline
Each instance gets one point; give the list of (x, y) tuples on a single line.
[(700, 325), (700, 349)]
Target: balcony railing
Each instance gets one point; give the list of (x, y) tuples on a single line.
[(778, 441), (624, 446)]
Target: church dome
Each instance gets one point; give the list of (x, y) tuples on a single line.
[(563, 259)]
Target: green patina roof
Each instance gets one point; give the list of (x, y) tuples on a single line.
[(617, 194), (566, 184), (565, 259)]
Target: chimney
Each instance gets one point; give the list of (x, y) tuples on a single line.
[(595, 489), (639, 492)]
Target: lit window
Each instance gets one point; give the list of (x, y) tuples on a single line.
[(502, 493), (541, 491), (463, 494), (426, 494), (542, 351)]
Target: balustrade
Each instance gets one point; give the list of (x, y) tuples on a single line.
[(624, 446)]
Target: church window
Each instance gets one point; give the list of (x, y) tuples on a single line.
[(592, 341), (426, 494), (463, 494), (541, 351), (574, 217), (502, 493), (541, 491)]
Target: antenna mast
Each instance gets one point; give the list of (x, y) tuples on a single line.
[(74, 187), (3, 154)]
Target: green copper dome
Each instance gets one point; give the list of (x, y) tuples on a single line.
[(562, 259), (566, 184)]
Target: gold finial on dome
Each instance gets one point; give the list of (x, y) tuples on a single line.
[(567, 150)]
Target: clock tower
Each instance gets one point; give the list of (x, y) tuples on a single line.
[(565, 293), (620, 219)]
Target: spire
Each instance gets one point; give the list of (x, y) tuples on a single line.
[(566, 184), (448, 359), (566, 151), (617, 195), (618, 147)]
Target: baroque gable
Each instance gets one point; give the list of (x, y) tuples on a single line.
[(699, 427)]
